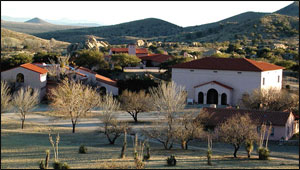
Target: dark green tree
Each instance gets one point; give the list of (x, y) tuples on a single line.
[(125, 60), (90, 58)]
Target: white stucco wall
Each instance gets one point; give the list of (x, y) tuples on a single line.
[(31, 78), (271, 79), (220, 90), (241, 83), (109, 88)]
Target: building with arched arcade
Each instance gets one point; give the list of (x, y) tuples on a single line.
[(223, 81)]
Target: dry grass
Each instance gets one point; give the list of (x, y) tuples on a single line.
[(25, 148)]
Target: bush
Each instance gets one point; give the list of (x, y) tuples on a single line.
[(263, 153), (42, 164), (59, 165), (171, 161), (82, 149)]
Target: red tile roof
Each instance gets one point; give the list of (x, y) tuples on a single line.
[(34, 68), (228, 87), (160, 58), (106, 80), (237, 64), (141, 51), (87, 70), (220, 115), (125, 50)]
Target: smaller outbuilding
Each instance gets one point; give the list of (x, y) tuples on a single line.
[(284, 124)]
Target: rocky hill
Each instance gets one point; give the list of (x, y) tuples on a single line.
[(37, 21), (291, 10)]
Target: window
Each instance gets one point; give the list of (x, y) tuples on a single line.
[(239, 72), (263, 81), (191, 70), (20, 78), (215, 71), (272, 133), (278, 79)]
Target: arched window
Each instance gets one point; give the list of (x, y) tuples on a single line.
[(102, 90), (200, 98), (212, 96), (223, 99), (20, 78)]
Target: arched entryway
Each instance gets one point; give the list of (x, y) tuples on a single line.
[(212, 96), (102, 91), (223, 99), (200, 98), (20, 78)]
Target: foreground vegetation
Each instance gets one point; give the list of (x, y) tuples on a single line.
[(25, 148)]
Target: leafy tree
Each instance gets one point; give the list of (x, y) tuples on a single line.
[(73, 100), (288, 64), (24, 100), (14, 61), (233, 48), (125, 60), (236, 130), (90, 59), (44, 57), (137, 83), (135, 103)]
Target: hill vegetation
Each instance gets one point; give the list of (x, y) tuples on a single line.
[(34, 26)]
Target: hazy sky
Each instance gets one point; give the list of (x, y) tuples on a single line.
[(182, 13)]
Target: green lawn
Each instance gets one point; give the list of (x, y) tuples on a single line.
[(25, 148)]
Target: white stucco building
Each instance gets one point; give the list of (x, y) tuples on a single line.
[(223, 81), (27, 75)]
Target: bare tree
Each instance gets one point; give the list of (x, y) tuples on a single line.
[(236, 130), (134, 103), (168, 99), (113, 128), (271, 99), (24, 100), (73, 100), (5, 96), (188, 128)]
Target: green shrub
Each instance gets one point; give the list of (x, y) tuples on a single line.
[(42, 164), (59, 165), (171, 161), (263, 153), (209, 155), (82, 149)]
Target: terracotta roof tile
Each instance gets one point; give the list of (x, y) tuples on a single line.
[(220, 115), (87, 70), (160, 58), (238, 64), (125, 50), (141, 51), (106, 80), (34, 68), (228, 87)]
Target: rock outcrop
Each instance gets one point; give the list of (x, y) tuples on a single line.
[(90, 43)]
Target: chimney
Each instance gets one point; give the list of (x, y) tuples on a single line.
[(131, 49)]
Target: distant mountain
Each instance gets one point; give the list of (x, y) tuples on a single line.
[(14, 19), (37, 21), (31, 28), (291, 10), (145, 28)]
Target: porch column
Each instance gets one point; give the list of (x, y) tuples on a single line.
[(219, 99), (204, 100)]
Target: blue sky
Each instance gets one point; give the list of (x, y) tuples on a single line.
[(182, 13)]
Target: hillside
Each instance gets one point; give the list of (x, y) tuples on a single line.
[(33, 28), (37, 21), (16, 40), (145, 28), (291, 10)]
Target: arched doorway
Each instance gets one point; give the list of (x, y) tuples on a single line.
[(223, 99), (102, 90), (200, 98), (212, 96), (20, 78)]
